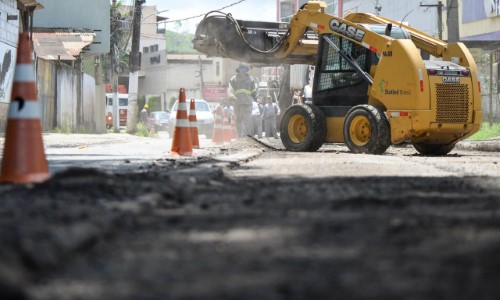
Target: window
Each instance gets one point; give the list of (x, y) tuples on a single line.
[(199, 106), (123, 102), (153, 48), (217, 69), (155, 59), (145, 49), (335, 71)]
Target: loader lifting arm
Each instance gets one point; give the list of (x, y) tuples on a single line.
[(422, 40), (275, 43), (297, 42), (313, 16)]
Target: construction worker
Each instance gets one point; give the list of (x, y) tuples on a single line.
[(269, 113), (144, 115), (242, 92)]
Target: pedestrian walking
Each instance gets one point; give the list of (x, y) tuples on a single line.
[(144, 115), (242, 92), (269, 114)]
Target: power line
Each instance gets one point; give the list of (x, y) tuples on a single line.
[(197, 16)]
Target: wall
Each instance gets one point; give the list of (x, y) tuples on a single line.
[(154, 70), (9, 34), (89, 105), (61, 106), (89, 14), (66, 114), (182, 72), (480, 20), (46, 82)]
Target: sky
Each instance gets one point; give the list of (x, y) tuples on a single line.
[(257, 10)]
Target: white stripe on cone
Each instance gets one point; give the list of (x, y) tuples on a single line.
[(29, 110), (24, 73), (182, 123)]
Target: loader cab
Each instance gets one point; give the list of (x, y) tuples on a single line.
[(336, 82)]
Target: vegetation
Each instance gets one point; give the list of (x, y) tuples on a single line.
[(488, 130), (65, 130), (142, 130), (179, 42), (154, 103)]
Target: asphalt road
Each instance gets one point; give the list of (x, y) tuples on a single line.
[(127, 153), (249, 220)]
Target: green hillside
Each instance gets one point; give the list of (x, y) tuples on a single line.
[(179, 42)]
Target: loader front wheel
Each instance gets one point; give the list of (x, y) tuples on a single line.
[(366, 130), (303, 128), (433, 149)]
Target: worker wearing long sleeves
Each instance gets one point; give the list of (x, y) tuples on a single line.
[(242, 92), (269, 113), (257, 108)]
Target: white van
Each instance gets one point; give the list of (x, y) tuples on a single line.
[(204, 117), (122, 107)]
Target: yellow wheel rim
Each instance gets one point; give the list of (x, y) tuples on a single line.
[(297, 129), (360, 130)]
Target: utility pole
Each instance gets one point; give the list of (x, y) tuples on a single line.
[(201, 75), (452, 22), (115, 61), (134, 66), (378, 7), (440, 16)]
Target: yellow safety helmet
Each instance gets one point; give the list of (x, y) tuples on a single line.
[(146, 106)]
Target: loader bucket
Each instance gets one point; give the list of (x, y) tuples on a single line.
[(249, 41)]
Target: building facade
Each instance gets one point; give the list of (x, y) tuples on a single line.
[(480, 20), (411, 12)]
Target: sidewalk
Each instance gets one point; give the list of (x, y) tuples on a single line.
[(490, 145)]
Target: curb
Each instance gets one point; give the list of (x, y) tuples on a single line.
[(238, 156), (484, 146)]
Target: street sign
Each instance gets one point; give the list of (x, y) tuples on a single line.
[(215, 93)]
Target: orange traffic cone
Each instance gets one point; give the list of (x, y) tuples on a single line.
[(193, 125), (226, 128), (181, 142), (217, 134), (234, 130), (23, 155)]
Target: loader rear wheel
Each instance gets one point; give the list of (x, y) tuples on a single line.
[(303, 128), (433, 149), (366, 130)]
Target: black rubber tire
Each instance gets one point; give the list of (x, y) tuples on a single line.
[(313, 128), (377, 140), (433, 149)]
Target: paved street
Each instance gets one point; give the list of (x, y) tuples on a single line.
[(248, 220), (127, 153)]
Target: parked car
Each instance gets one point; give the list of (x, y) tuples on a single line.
[(204, 117), (161, 120)]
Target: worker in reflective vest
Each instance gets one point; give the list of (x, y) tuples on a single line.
[(242, 93)]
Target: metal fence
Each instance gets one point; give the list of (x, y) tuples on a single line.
[(68, 99), (491, 101)]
